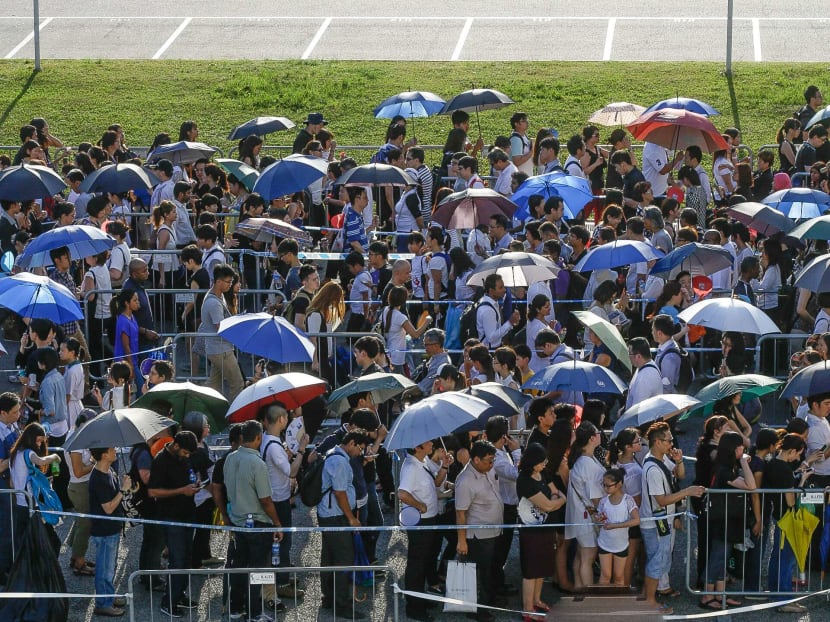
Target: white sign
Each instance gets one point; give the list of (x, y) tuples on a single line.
[(263, 578), (816, 498)]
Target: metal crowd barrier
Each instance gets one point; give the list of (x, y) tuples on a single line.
[(773, 352)]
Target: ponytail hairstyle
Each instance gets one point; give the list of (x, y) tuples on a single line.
[(583, 436), (161, 210), (121, 371), (712, 425), (790, 123), (507, 356), (535, 306), (617, 446), (74, 346), (480, 354)]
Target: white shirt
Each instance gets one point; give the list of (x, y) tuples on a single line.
[(279, 468), (654, 483), (615, 540), (395, 336), (507, 472), (574, 168), (490, 328), (655, 158), (417, 480), (481, 239), (438, 262), (211, 257), (503, 182), (770, 283), (162, 192), (585, 483), (419, 274), (362, 284), (87, 460), (647, 382), (818, 435), (184, 230)]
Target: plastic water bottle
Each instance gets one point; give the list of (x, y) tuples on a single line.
[(275, 554), (192, 475), (55, 468), (249, 521)]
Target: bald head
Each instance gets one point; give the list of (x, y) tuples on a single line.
[(401, 271), (139, 270)]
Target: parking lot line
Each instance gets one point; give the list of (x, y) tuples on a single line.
[(462, 38), (756, 39), (609, 38), (317, 36), (172, 38), (26, 39)]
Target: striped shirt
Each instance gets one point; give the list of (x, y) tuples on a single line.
[(425, 179), (355, 230)]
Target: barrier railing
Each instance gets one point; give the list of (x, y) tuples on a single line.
[(773, 352)]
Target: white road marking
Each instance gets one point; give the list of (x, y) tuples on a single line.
[(172, 38), (26, 40), (319, 35), (756, 39), (462, 39), (609, 38)]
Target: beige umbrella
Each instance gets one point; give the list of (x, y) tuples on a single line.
[(608, 334), (617, 113)]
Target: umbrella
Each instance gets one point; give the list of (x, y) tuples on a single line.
[(267, 335), (376, 175), (749, 385), (410, 104), (617, 113), (608, 334), (815, 276), (821, 116), (726, 314), (291, 174), (617, 253), (811, 380), (118, 178), (576, 376), (291, 389), (799, 203), (654, 408), (508, 400), (182, 152), (684, 103), (476, 100), (383, 386), (264, 230), (695, 257), (122, 427), (517, 269), (813, 229), (761, 217), (260, 126), (677, 129), (81, 240), (437, 415), (29, 181), (34, 296), (798, 527), (184, 397), (471, 207), (574, 191), (247, 175)]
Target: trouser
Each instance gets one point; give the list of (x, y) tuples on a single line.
[(201, 539), (106, 560), (224, 367), (252, 550), (96, 345), (419, 557), (284, 514), (60, 482), (179, 551), (482, 553), (79, 536), (337, 550), (374, 518), (152, 544), (505, 540)]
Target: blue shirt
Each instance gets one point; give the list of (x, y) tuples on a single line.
[(355, 230), (53, 397), (123, 324), (337, 475)]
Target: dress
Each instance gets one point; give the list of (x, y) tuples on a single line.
[(585, 483), (536, 545), (74, 378)]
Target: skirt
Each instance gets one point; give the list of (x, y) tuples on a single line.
[(536, 552)]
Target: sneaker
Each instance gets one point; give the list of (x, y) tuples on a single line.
[(119, 601), (173, 612), (213, 561), (263, 618), (289, 590), (185, 602), (277, 605), (236, 616), (108, 612)]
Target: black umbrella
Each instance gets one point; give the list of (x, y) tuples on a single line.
[(476, 100), (375, 175), (29, 181), (260, 127), (122, 427), (118, 178)]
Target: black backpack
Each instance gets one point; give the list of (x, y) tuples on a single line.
[(467, 323), (311, 485), (686, 374)]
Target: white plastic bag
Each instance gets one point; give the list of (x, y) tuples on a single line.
[(461, 585)]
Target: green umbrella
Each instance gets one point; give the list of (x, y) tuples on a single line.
[(749, 385), (247, 175), (184, 397), (607, 333)]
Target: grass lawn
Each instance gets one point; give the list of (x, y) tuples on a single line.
[(80, 98)]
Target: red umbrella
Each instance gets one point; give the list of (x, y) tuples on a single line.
[(292, 390), (677, 129), (469, 208)]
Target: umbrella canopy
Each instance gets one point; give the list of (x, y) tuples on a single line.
[(761, 217), (654, 408), (81, 240), (122, 427), (437, 415), (118, 178), (684, 103), (376, 175), (291, 174), (576, 376), (798, 527), (29, 181), (749, 386), (815, 276), (247, 175), (260, 126), (508, 401), (517, 269), (797, 203), (264, 230), (383, 386), (677, 129), (267, 335), (182, 152), (34, 296), (729, 314), (821, 116), (617, 253), (574, 191), (695, 257), (813, 229), (616, 113), (184, 397), (811, 380), (608, 334), (409, 104), (291, 389), (476, 100), (471, 207)]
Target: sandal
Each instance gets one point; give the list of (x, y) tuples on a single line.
[(731, 602), (713, 604), (669, 593), (541, 607), (83, 571), (665, 610)]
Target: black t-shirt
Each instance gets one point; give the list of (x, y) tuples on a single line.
[(169, 472), (778, 474), (301, 301), (537, 436), (102, 489), (527, 487), (202, 280), (634, 176), (200, 462), (384, 276)]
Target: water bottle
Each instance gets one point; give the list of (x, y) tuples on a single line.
[(55, 467), (249, 521), (192, 475), (275, 554)]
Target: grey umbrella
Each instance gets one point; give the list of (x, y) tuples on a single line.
[(815, 276), (122, 427)]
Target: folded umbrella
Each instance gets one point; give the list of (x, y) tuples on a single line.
[(811, 380), (182, 152), (267, 335), (684, 103), (677, 129), (616, 113), (437, 415), (761, 217), (260, 126), (384, 386), (34, 296), (122, 427), (265, 229), (576, 376), (749, 386), (617, 253), (517, 269), (81, 240), (575, 192), (654, 408), (184, 397), (291, 389), (727, 314), (798, 203), (607, 333), (247, 175), (291, 174), (29, 181), (815, 276), (375, 175), (471, 207), (798, 526), (117, 178), (694, 257)]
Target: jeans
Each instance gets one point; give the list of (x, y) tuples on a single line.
[(781, 565), (284, 513), (179, 552), (658, 553), (252, 550), (106, 559)]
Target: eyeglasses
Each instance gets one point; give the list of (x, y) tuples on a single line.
[(609, 484)]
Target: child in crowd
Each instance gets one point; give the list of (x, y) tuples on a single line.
[(616, 512)]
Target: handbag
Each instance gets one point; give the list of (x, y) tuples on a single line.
[(461, 586), (529, 513)]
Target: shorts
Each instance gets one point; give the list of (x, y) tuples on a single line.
[(587, 539), (658, 553), (634, 533), (623, 553)]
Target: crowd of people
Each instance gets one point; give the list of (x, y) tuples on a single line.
[(612, 505)]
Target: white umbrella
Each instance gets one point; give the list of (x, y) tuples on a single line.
[(726, 314), (516, 269), (815, 276), (652, 409)]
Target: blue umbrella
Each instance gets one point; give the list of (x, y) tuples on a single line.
[(260, 127), (118, 178), (291, 174), (267, 335), (437, 415), (799, 203), (182, 152), (29, 181), (575, 192), (824, 543), (409, 104), (81, 240), (35, 296), (695, 257), (684, 103), (576, 376), (617, 253), (811, 380), (363, 578)]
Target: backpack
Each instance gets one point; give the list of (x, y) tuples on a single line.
[(44, 497), (469, 329), (686, 374), (290, 313), (139, 502), (311, 485)]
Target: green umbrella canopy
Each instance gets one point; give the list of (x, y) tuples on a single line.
[(184, 397), (608, 334), (749, 385)]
